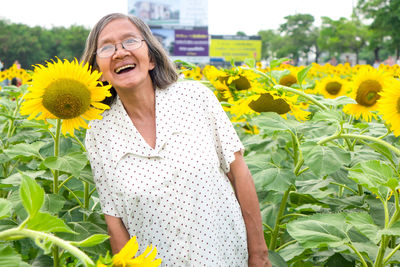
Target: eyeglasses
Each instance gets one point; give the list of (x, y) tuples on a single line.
[(128, 44)]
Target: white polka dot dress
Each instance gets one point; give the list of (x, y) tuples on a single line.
[(177, 195)]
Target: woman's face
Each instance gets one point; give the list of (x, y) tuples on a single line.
[(125, 69)]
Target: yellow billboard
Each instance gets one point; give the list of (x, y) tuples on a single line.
[(238, 48)]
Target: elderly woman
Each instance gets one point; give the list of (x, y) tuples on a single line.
[(167, 163)]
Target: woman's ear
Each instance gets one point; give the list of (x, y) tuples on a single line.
[(152, 65)]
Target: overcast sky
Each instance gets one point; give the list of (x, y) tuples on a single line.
[(224, 16)]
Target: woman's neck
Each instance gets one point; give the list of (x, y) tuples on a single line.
[(139, 103)]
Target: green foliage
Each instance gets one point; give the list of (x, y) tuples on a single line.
[(328, 187), (32, 196), (385, 21), (299, 35), (35, 45), (47, 201)]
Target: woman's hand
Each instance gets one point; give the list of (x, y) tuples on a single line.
[(259, 260), (245, 191), (119, 236)]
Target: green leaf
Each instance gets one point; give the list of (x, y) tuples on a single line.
[(5, 208), (270, 122), (382, 150), (34, 124), (32, 195), (24, 150), (276, 62), (16, 178), (9, 257), (274, 178), (364, 224), (44, 244), (393, 230), (301, 75), (328, 115), (375, 176), (276, 260), (268, 176), (320, 230), (53, 203), (71, 163), (368, 249), (46, 222), (186, 64), (86, 175), (291, 251), (91, 241), (324, 160), (251, 62), (338, 260)]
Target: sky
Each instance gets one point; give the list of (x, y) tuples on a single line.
[(224, 16)]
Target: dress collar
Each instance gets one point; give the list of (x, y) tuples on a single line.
[(132, 141)]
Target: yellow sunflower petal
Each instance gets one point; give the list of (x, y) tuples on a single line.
[(65, 90)]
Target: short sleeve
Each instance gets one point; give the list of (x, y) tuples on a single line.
[(107, 201), (226, 140)]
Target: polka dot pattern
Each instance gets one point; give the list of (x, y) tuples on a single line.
[(175, 195)]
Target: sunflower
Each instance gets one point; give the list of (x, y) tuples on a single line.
[(331, 86), (389, 106), (270, 101), (65, 90), (126, 256), (288, 79), (366, 88), (3, 75)]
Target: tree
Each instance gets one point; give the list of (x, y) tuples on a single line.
[(240, 33), (342, 35), (35, 45), (268, 38), (386, 19), (299, 32), (353, 35)]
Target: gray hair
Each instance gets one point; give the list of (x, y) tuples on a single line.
[(164, 72)]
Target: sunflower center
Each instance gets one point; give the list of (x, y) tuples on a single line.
[(288, 80), (266, 103), (368, 93), (66, 98), (398, 106), (333, 88), (241, 83)]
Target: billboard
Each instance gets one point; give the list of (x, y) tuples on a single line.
[(171, 12), (181, 26), (238, 48), (191, 42)]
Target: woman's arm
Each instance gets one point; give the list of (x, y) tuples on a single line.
[(119, 236), (245, 191)]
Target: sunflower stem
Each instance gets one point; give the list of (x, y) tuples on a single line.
[(79, 142), (295, 91), (35, 235), (56, 153), (86, 198), (344, 187), (64, 182), (282, 208), (298, 92), (364, 264), (56, 256), (361, 137)]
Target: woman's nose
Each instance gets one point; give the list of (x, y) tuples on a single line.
[(120, 50)]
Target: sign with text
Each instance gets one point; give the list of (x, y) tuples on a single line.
[(171, 12), (235, 47), (191, 42)]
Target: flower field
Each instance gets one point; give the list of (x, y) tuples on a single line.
[(321, 143)]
